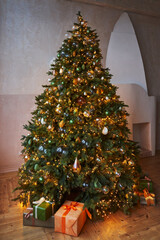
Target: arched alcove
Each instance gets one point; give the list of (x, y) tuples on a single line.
[(125, 62), (123, 56)]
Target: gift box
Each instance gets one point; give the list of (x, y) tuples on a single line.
[(42, 211), (147, 198), (149, 201), (70, 218), (29, 220), (145, 183)]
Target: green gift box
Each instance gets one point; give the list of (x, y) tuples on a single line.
[(144, 183), (42, 211)]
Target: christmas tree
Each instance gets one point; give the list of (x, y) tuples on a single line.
[(78, 135)]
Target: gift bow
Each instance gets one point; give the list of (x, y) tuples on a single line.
[(149, 197), (147, 178), (73, 206)]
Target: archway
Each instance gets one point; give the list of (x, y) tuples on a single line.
[(125, 61), (123, 56)]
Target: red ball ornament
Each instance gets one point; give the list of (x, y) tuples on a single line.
[(81, 101)]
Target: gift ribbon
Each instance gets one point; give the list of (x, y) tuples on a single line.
[(148, 179), (74, 207), (36, 207), (28, 214)]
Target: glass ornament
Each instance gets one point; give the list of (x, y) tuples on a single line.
[(40, 148), (76, 166), (42, 121), (59, 149), (105, 190), (41, 179), (106, 112), (61, 124), (86, 114), (61, 71), (105, 131)]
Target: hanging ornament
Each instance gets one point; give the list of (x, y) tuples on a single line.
[(58, 109), (105, 131), (99, 91), (64, 152), (40, 148), (98, 160), (36, 167), (83, 67), (105, 190), (107, 112), (30, 141), (41, 179), (75, 81), (71, 121), (78, 139), (74, 53), (59, 149), (81, 101), (45, 151), (117, 173), (76, 166), (78, 69), (75, 110), (42, 121), (61, 124), (86, 114), (61, 71), (85, 184)]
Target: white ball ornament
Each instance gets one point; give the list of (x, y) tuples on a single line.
[(105, 131)]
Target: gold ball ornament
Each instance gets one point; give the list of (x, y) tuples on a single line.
[(75, 81), (61, 124)]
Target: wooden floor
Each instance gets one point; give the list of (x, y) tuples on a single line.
[(143, 224)]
